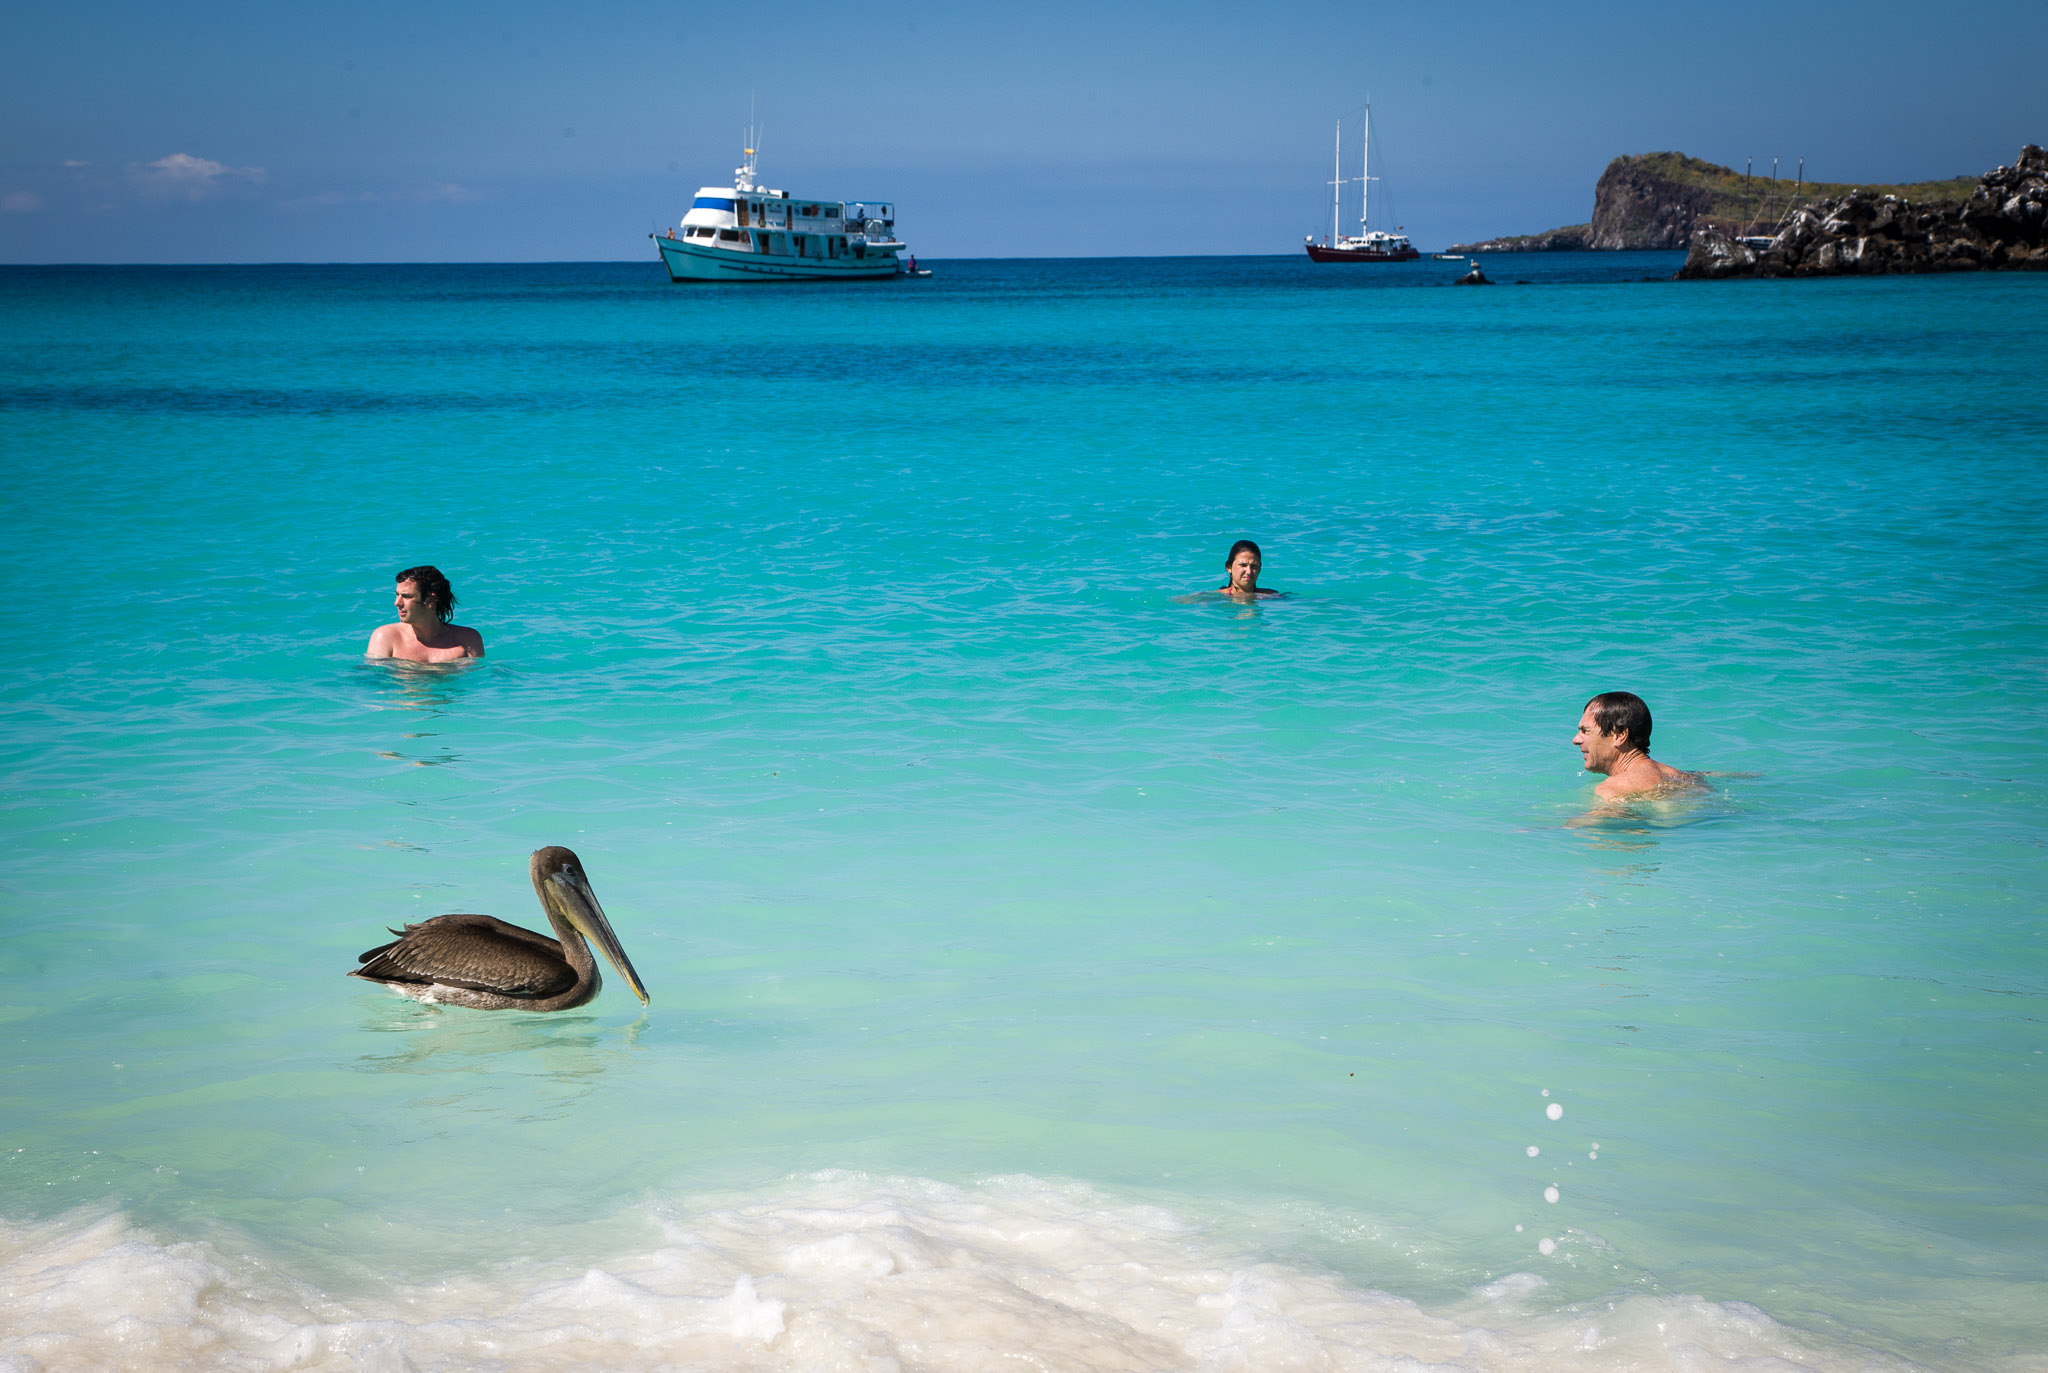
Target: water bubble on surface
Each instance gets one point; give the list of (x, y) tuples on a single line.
[(1518, 1229), (1546, 1091), (1533, 1151), (1546, 1247), (1550, 1195), (1554, 1111)]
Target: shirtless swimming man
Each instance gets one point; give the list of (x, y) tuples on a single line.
[(423, 634), (1614, 738)]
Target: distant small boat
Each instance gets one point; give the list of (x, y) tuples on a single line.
[(1368, 244), (1446, 257)]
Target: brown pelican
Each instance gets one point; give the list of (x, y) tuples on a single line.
[(481, 961)]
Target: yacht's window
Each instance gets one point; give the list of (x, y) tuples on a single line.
[(729, 235)]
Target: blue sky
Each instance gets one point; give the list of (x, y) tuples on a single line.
[(372, 130)]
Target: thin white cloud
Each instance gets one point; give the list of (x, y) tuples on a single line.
[(326, 199), (185, 167), (447, 193), (74, 162), (21, 203), (182, 174), (430, 193)]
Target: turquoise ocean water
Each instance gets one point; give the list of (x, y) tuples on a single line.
[(1046, 971)]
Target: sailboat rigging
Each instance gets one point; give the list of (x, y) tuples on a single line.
[(1368, 244)]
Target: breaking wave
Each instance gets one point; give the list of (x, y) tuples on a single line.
[(843, 1272)]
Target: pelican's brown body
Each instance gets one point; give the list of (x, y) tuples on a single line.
[(488, 963)]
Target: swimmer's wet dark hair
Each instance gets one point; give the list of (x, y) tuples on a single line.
[(1243, 545), (433, 586), (1614, 711)]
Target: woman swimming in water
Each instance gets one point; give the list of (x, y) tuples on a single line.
[(1242, 570)]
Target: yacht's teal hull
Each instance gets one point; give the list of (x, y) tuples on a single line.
[(689, 261)]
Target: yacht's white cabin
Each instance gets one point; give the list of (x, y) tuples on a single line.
[(760, 220)]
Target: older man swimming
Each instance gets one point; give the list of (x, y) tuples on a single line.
[(423, 634), (1614, 739)]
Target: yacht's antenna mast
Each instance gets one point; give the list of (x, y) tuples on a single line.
[(744, 176)]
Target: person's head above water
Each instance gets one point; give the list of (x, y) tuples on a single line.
[(423, 600), (1242, 569), (1614, 739), (1619, 724), (430, 592)]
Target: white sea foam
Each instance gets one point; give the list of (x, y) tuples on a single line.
[(842, 1272)]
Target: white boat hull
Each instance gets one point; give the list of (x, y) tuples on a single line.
[(690, 261)]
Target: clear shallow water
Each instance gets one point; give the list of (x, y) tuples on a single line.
[(1039, 963)]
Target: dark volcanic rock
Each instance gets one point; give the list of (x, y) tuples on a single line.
[(1573, 238), (1635, 208), (2003, 226)]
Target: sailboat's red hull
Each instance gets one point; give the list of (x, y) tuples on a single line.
[(1319, 253)]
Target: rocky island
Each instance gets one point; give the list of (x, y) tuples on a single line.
[(2001, 225), (1656, 200)]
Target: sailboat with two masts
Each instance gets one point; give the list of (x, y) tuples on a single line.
[(1368, 244)]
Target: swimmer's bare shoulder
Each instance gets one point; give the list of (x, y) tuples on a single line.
[(1668, 781), (1226, 595), (399, 641)]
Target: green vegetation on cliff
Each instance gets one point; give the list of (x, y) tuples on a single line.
[(1740, 198)]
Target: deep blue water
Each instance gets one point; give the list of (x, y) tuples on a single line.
[(1041, 962)]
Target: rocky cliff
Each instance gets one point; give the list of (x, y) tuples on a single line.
[(1640, 204), (1656, 200), (2003, 225)]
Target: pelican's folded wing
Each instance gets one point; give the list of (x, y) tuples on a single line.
[(479, 952)]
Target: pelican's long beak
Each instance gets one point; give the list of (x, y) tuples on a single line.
[(579, 907)]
